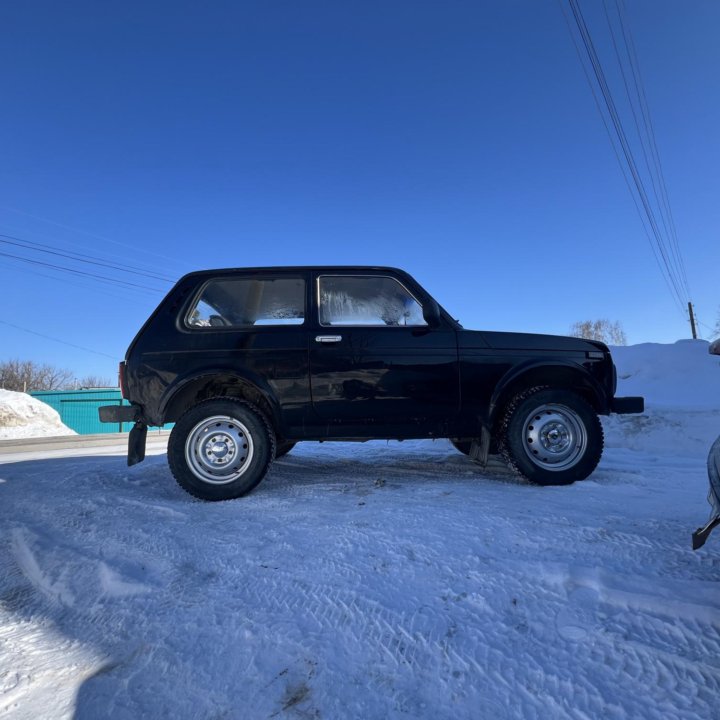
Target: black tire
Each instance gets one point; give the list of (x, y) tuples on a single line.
[(220, 449), (283, 448), (462, 445), (552, 437)]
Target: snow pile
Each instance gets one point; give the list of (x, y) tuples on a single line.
[(22, 416), (681, 387), (680, 375)]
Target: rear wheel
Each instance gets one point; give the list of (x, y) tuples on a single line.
[(552, 437), (220, 449)]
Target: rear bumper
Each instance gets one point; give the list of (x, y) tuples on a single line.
[(627, 405), (119, 413)]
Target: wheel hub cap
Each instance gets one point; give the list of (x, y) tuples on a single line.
[(219, 450), (554, 437)]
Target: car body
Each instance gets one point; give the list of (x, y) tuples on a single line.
[(351, 353)]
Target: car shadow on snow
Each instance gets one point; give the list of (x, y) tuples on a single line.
[(393, 463)]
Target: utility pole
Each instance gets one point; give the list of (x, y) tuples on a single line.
[(692, 321)]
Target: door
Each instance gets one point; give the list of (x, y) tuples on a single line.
[(373, 358)]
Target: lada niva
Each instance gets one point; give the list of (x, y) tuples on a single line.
[(247, 362)]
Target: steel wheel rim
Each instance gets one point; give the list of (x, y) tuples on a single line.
[(554, 437), (219, 450)]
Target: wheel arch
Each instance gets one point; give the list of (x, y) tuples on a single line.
[(559, 375), (220, 382)]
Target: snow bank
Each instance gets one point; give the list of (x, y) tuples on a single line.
[(683, 374), (681, 387), (22, 416)]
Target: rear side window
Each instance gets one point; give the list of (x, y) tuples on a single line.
[(249, 302), (367, 300)]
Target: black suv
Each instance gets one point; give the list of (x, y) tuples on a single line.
[(247, 362)]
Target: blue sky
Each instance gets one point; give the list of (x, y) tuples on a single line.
[(458, 140)]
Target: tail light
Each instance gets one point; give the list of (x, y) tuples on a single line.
[(121, 379)]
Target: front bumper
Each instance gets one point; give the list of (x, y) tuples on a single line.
[(627, 405)]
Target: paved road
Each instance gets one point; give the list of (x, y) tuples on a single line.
[(75, 445)]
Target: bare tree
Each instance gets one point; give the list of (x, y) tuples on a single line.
[(603, 330), (716, 329), (95, 381), (26, 375)]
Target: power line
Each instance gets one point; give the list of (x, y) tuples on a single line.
[(78, 257), (668, 254), (616, 152), (643, 140), (57, 340), (115, 281), (624, 144), (119, 243), (664, 206), (84, 283)]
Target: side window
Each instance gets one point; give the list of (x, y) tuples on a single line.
[(366, 300), (249, 302)]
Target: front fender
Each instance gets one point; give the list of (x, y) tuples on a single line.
[(556, 372)]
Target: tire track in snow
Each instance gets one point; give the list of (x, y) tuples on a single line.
[(53, 589), (439, 597)]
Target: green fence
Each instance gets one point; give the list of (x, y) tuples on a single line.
[(79, 408)]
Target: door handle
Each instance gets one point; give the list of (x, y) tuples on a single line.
[(328, 338)]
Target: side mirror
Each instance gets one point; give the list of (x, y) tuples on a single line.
[(715, 347), (431, 313)]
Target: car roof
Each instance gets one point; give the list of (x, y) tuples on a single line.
[(289, 269)]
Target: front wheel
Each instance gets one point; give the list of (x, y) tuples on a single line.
[(552, 437), (220, 449), (283, 448)]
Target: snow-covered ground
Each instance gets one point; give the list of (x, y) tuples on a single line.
[(22, 416), (385, 580)]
